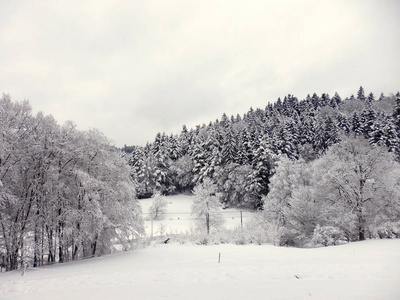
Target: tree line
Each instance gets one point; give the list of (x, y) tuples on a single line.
[(240, 153), (65, 194)]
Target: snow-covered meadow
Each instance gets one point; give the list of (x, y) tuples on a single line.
[(362, 270), (179, 219)]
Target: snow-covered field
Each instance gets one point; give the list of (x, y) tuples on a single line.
[(363, 270), (178, 218)]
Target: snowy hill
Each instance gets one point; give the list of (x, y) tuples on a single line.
[(362, 270)]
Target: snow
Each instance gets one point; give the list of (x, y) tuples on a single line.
[(179, 219), (362, 270)]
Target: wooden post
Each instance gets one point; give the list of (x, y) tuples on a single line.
[(241, 219), (219, 257)]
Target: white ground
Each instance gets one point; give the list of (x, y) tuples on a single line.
[(363, 270), (179, 219)]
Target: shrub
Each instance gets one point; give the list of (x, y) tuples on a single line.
[(388, 229), (327, 236)]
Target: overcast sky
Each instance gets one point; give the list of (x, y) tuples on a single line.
[(135, 68)]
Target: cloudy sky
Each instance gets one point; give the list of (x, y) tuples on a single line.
[(135, 68)]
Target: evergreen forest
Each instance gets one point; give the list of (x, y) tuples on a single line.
[(240, 153)]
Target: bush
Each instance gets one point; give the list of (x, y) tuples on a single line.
[(327, 236), (389, 230), (289, 237)]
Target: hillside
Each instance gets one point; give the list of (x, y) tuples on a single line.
[(318, 166), (247, 146)]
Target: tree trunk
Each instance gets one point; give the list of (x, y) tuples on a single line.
[(42, 246), (208, 222), (36, 252), (60, 243), (75, 252), (94, 245), (13, 260), (361, 228), (51, 255), (361, 218)]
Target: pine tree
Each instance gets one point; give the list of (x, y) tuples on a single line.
[(278, 105), (384, 134), (289, 105), (224, 123), (360, 94), (315, 100), (263, 166), (356, 126), (331, 133), (200, 157), (396, 114), (213, 150), (173, 148), (368, 119), (371, 98), (343, 124), (335, 101), (288, 138), (161, 163), (325, 100), (229, 147), (244, 153)]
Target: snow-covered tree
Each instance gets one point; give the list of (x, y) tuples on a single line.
[(289, 202), (263, 168), (181, 172), (234, 182), (206, 204), (353, 181), (158, 207), (360, 94), (65, 193)]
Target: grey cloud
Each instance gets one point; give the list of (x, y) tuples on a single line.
[(135, 68)]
